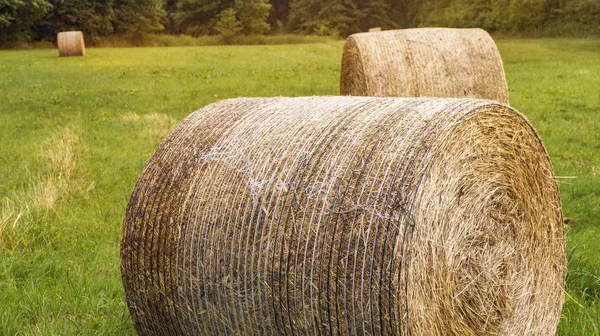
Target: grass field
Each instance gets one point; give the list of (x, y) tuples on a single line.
[(75, 133)]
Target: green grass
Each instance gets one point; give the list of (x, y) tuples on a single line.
[(75, 134), (167, 40)]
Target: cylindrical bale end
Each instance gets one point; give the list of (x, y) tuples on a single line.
[(423, 62), (346, 216), (70, 43)]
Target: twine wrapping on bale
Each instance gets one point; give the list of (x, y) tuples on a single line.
[(425, 62), (70, 43), (346, 215)]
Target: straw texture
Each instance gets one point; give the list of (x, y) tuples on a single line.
[(426, 62), (346, 215), (70, 43)]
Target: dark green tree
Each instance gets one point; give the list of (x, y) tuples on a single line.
[(198, 17), (228, 25), (23, 20), (138, 17), (374, 13), (323, 17), (530, 15), (342, 16), (461, 13), (253, 15), (579, 17), (170, 7), (18, 17), (279, 13), (403, 12), (93, 17)]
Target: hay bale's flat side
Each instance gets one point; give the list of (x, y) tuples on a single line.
[(424, 62), (346, 215), (70, 43)]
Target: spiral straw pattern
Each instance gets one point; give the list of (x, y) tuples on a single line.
[(423, 62), (346, 216)]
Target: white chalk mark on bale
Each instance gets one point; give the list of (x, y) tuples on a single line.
[(346, 215)]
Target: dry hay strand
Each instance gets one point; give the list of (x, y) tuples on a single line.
[(376, 29), (425, 62), (346, 215), (156, 125), (70, 43), (57, 153)]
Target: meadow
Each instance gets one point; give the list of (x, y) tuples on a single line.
[(75, 133)]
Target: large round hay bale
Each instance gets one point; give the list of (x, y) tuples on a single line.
[(427, 62), (346, 215), (70, 43)]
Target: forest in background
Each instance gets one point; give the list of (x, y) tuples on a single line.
[(40, 20)]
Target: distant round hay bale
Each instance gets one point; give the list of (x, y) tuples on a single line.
[(427, 62), (346, 215), (70, 43)]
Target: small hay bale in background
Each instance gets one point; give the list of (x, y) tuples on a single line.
[(70, 43), (376, 29), (346, 215), (426, 62)]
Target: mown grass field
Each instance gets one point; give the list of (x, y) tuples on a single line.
[(75, 133)]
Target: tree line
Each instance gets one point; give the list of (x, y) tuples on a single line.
[(25, 20)]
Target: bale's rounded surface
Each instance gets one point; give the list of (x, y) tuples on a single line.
[(70, 43), (423, 62), (346, 215)]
